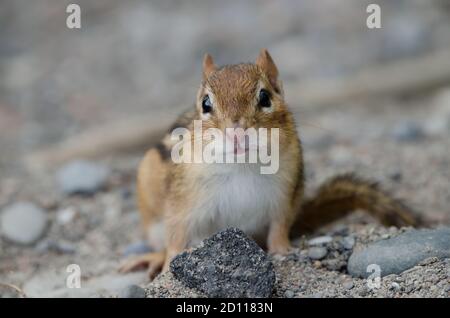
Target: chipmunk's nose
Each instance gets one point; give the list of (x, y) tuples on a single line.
[(237, 124), (237, 132), (231, 129)]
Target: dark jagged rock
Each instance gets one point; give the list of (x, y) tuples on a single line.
[(228, 264)]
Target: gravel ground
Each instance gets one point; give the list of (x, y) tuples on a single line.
[(94, 231), (299, 276), (56, 82)]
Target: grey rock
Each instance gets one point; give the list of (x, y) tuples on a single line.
[(317, 253), (289, 294), (395, 286), (397, 254), (82, 177), (320, 240), (348, 242), (23, 223), (334, 264), (408, 132), (132, 291), (136, 248), (348, 284), (228, 264)]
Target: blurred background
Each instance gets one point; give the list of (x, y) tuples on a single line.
[(375, 101)]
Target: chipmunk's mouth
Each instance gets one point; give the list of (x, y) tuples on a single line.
[(238, 150), (240, 145)]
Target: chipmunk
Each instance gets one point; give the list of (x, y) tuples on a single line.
[(181, 204)]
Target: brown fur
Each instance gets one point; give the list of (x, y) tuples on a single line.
[(346, 193), (168, 192)]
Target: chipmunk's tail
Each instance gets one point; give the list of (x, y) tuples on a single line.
[(347, 193)]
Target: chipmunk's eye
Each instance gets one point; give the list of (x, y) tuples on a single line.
[(206, 105), (264, 98)]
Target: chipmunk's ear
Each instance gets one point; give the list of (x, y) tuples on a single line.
[(208, 66), (267, 64)]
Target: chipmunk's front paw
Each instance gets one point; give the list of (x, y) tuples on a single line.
[(152, 261), (282, 249)]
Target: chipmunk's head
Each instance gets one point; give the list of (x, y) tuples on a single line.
[(241, 95)]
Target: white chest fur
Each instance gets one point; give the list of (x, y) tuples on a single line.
[(239, 197)]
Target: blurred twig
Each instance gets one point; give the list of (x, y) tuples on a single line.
[(400, 77), (412, 75), (16, 289), (125, 135)]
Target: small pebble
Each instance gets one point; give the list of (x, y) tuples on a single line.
[(82, 177), (317, 264), (348, 285), (334, 264), (132, 291), (395, 286), (399, 279), (23, 223), (348, 242), (317, 253), (320, 240), (66, 216), (288, 294)]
